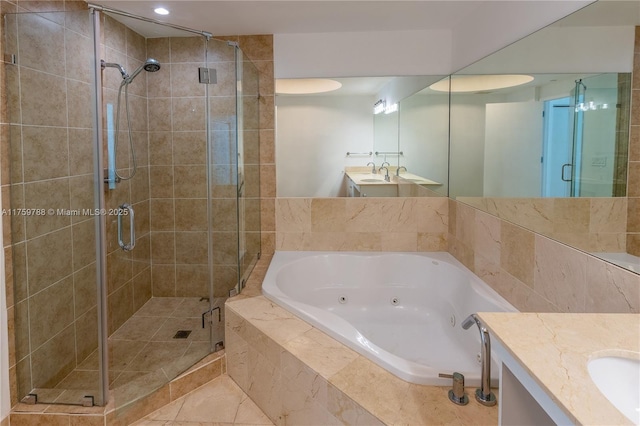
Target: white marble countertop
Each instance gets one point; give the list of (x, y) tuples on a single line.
[(555, 349)]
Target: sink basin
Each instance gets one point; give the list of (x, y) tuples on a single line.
[(371, 180), (618, 379)]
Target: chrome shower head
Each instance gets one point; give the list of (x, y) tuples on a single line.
[(150, 65)]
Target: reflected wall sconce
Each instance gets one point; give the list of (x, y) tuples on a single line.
[(379, 107), (391, 108)]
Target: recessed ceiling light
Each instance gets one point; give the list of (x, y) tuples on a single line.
[(161, 11), (479, 83), (305, 86)]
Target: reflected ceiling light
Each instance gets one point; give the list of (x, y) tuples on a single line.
[(161, 11), (305, 86), (479, 83)]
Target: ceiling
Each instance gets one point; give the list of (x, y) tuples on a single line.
[(282, 17)]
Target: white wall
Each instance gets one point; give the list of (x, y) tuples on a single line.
[(486, 27), (360, 54), (564, 50), (512, 150), (313, 135), (467, 148), (493, 25), (424, 137)]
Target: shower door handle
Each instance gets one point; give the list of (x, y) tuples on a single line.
[(132, 229), (563, 174)]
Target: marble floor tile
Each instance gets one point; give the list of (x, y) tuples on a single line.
[(219, 402)]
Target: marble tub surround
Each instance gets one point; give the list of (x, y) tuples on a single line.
[(556, 348), (536, 273), (298, 375), (590, 224), (220, 401), (362, 224)]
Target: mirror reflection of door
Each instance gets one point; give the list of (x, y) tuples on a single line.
[(557, 152)]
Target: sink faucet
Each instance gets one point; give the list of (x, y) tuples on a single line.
[(373, 167), (398, 170), (383, 163), (386, 176), (483, 394)]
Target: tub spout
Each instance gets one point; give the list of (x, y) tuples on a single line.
[(483, 394)]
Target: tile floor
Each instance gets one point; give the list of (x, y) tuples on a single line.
[(220, 402), (143, 354)]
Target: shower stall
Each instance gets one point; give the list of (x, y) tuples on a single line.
[(134, 197)]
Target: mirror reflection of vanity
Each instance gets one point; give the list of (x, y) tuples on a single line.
[(563, 175)]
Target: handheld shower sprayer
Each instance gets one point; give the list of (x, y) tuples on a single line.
[(150, 65)]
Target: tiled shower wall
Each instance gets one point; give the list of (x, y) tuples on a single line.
[(633, 185), (131, 282), (50, 122), (128, 273)]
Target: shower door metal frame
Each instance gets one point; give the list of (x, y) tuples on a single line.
[(100, 220)]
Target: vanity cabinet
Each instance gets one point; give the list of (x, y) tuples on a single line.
[(380, 188), (521, 401)]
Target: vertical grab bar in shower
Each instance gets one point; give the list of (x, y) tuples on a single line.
[(126, 210)]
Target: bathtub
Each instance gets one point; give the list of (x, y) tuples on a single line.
[(401, 310)]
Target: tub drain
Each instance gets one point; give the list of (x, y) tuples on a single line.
[(343, 299)]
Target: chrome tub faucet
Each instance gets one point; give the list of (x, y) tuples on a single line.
[(483, 394)]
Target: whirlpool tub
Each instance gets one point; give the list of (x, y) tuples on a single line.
[(401, 310)]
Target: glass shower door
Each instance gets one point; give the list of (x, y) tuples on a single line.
[(594, 136), (248, 105), (53, 197)]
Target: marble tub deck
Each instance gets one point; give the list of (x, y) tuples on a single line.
[(299, 375)]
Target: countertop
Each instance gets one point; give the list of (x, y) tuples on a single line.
[(554, 349), (363, 176)]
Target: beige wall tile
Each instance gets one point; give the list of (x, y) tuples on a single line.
[(608, 215), (187, 49), (163, 247), (45, 195), (48, 259), (328, 214), (54, 360), (610, 288), (560, 274), (43, 98), (45, 145), (517, 252), (487, 237)]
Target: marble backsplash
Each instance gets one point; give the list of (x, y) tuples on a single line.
[(532, 271)]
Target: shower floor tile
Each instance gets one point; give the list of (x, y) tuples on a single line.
[(143, 353), (220, 401)]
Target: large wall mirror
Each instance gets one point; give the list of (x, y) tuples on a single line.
[(540, 132), (325, 138)]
